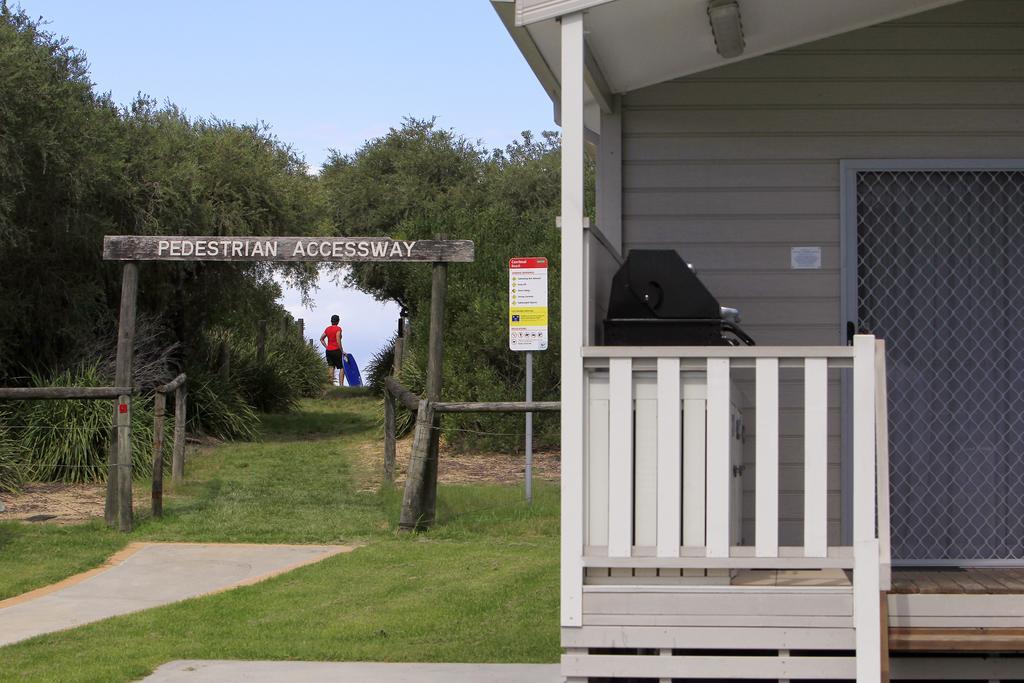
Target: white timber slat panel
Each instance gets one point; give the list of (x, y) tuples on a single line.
[(718, 471), (645, 461), (766, 497), (597, 463), (694, 474), (668, 460), (620, 457), (816, 457)]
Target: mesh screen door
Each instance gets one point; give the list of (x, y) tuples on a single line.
[(940, 268)]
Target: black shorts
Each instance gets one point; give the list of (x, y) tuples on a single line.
[(335, 358)]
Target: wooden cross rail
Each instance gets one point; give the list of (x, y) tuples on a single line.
[(61, 393), (404, 396), (172, 385), (499, 407)]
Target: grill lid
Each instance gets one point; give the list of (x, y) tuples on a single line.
[(657, 283)]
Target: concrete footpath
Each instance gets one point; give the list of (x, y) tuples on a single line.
[(222, 671), (145, 575)]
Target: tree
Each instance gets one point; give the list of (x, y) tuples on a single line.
[(418, 181), (74, 167)]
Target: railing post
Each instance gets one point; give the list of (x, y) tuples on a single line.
[(620, 458), (718, 466), (669, 465), (866, 582), (159, 407), (572, 382), (863, 438), (815, 457), (766, 475), (123, 378), (180, 419), (882, 465)]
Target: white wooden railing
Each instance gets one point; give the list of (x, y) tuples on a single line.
[(658, 416), (694, 525)]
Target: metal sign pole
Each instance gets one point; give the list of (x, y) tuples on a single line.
[(529, 428)]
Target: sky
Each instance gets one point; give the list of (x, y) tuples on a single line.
[(323, 74)]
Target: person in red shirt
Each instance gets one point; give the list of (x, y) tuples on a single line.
[(335, 354)]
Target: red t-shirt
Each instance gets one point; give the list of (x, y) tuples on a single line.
[(332, 337)]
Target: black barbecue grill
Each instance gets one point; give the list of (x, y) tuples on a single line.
[(657, 300)]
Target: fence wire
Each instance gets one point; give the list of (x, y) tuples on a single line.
[(940, 264)]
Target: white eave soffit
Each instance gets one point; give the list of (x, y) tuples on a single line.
[(532, 11), (637, 43)]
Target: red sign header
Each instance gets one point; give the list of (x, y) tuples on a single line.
[(529, 262)]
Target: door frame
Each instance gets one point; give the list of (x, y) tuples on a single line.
[(848, 169)]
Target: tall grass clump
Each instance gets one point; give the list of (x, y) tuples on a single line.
[(224, 401), (69, 440), (216, 407), (381, 366), (299, 364), (12, 459)]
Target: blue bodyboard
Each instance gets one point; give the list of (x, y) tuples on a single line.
[(352, 375)]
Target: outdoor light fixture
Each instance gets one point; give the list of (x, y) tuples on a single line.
[(726, 27)]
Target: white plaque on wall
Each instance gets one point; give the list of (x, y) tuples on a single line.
[(805, 258)]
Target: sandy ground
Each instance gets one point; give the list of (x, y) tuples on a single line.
[(76, 503), (464, 468), (68, 503)]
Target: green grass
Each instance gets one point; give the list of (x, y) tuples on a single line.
[(481, 586), (38, 555)]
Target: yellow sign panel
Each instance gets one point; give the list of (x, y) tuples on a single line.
[(531, 315)]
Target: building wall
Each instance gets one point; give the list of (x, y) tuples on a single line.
[(734, 167)]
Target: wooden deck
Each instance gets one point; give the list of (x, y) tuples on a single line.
[(958, 581), (956, 610)]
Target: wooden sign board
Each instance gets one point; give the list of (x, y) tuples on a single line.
[(321, 249)]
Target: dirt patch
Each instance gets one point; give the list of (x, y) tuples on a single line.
[(67, 503), (76, 503), (463, 468)]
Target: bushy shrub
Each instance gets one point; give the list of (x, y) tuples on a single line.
[(69, 440)]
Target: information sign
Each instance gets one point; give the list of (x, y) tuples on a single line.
[(528, 304)]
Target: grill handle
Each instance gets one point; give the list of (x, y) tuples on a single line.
[(735, 329)]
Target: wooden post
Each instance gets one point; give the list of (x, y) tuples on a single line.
[(430, 477), (159, 408), (399, 356), (389, 416), (110, 503), (180, 418), (412, 502), (261, 341), (421, 482), (123, 378)]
